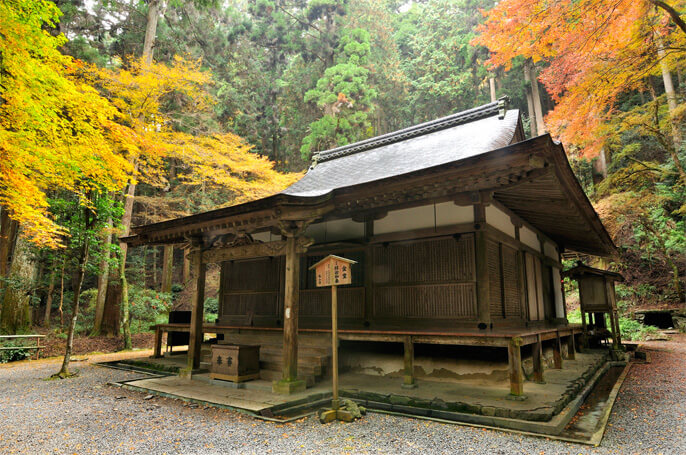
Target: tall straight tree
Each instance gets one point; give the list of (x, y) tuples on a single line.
[(345, 97), (56, 132), (591, 63), (82, 234)]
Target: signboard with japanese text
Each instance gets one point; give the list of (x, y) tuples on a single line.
[(333, 271)]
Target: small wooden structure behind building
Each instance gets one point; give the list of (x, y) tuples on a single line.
[(597, 298)]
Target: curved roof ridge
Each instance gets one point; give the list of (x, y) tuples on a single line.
[(486, 110)]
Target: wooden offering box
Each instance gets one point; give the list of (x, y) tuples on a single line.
[(235, 362)]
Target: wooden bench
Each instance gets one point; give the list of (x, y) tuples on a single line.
[(37, 346)]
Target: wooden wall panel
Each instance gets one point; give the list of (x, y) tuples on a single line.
[(317, 302), (494, 280), (260, 304), (251, 286), (440, 301), (262, 274), (430, 279), (511, 287), (534, 287), (429, 261)]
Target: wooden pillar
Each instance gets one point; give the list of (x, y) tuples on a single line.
[(557, 351), (619, 332), (614, 317), (481, 253), (408, 361), (290, 316), (614, 327), (571, 347), (197, 272), (514, 354), (158, 343), (368, 274), (289, 382), (538, 360)]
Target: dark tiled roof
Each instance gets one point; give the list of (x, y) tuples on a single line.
[(458, 136)]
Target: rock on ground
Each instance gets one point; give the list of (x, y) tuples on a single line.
[(84, 415)]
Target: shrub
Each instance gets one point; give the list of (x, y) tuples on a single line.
[(634, 330), (574, 317), (211, 309), (88, 300), (13, 355), (147, 307)]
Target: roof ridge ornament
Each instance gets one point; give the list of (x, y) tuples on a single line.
[(497, 107), (503, 104)]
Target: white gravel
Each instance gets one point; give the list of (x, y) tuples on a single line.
[(83, 415)]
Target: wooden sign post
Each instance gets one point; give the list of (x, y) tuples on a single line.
[(333, 271)]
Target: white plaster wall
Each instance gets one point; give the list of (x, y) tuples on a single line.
[(331, 231), (550, 250), (559, 302), (448, 213), (263, 236), (436, 368), (499, 220), (343, 230), (317, 232), (406, 220), (529, 238)]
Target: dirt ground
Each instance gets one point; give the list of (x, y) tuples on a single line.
[(54, 345), (84, 415)]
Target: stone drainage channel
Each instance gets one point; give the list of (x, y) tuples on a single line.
[(589, 412)]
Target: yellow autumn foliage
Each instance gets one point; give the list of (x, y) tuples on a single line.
[(54, 130), (69, 125)]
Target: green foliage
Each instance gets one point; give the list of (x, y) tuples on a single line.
[(13, 355), (345, 97), (634, 330), (574, 317), (147, 308), (211, 309)]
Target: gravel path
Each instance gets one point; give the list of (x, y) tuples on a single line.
[(83, 415)]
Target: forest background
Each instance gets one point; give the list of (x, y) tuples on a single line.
[(124, 112)]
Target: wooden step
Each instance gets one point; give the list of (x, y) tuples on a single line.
[(276, 339), (314, 370), (277, 357), (309, 350)]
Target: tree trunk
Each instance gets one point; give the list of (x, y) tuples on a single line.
[(48, 297), (673, 104), (124, 247), (530, 101), (8, 239), (167, 268), (37, 289), (186, 267), (491, 83), (678, 289), (536, 95), (103, 279), (111, 320), (154, 267), (60, 308), (78, 283), (126, 323), (151, 30), (16, 309)]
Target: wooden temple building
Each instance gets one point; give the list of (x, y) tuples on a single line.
[(456, 225)]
